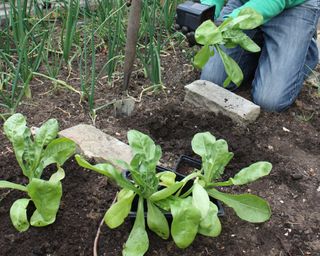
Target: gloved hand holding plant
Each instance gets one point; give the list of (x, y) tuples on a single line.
[(229, 34)]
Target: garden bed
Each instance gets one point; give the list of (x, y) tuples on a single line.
[(290, 141)]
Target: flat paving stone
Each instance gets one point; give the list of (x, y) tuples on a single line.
[(214, 98), (95, 144)]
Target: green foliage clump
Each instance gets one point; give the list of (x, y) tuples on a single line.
[(34, 154), (191, 208)]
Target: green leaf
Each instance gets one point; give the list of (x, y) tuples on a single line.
[(142, 144), (46, 196), (186, 219), (15, 128), (166, 192), (252, 173), (138, 242), (166, 178), (202, 57), (117, 213), (57, 176), (248, 207), (46, 133), (210, 225), (109, 171), (202, 143), (237, 37), (200, 199), (156, 220), (11, 185), (18, 214), (57, 151), (215, 154), (208, 34), (232, 68)]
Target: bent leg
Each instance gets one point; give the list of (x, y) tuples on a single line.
[(289, 51)]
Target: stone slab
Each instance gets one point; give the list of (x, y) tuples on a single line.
[(95, 144), (219, 100)]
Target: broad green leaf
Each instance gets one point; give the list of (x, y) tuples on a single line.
[(138, 242), (248, 207), (166, 192), (117, 213), (200, 199), (37, 220), (57, 151), (232, 22), (46, 133), (232, 68), (156, 220), (57, 176), (18, 214), (218, 161), (142, 144), (165, 203), (210, 225), (202, 57), (214, 153), (46, 196), (249, 45), (15, 128), (166, 178), (237, 37), (186, 219), (109, 171), (11, 185), (202, 143), (208, 34), (252, 173)]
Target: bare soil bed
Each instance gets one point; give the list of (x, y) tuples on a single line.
[(290, 141)]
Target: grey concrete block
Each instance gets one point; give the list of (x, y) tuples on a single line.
[(97, 145), (217, 99)]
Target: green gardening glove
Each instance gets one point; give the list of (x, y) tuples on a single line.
[(218, 3)]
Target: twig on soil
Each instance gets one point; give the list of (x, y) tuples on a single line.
[(283, 246), (96, 239), (152, 87)]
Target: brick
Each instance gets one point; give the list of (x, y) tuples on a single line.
[(95, 144), (215, 98)]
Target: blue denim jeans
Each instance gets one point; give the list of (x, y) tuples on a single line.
[(288, 53)]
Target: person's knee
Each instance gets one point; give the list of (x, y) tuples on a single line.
[(271, 102), (214, 71)]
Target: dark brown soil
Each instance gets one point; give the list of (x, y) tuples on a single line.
[(290, 141)]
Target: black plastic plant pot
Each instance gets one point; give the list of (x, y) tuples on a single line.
[(179, 177), (187, 165)]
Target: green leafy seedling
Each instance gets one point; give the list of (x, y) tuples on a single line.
[(192, 211), (145, 185), (200, 213), (34, 154), (229, 34)]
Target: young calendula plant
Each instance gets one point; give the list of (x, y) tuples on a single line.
[(162, 192), (34, 154), (228, 34)]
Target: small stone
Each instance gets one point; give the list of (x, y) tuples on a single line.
[(285, 129), (318, 189), (270, 147), (296, 176)]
